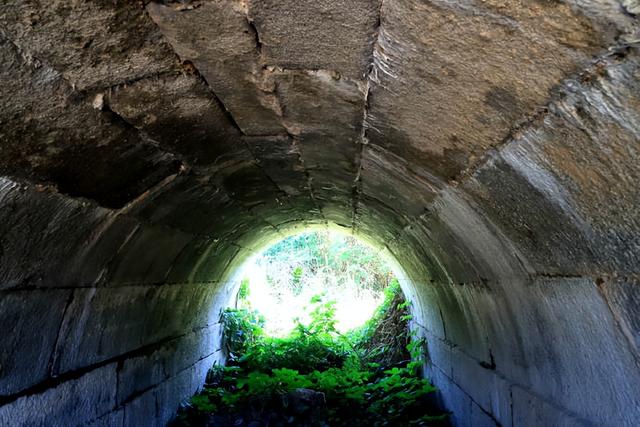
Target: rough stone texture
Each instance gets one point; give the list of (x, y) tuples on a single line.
[(94, 44), (228, 58), (152, 314), (490, 148), (181, 114), (35, 318), (576, 164), (52, 134), (75, 402), (309, 35), (471, 62)]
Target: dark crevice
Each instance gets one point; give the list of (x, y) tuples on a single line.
[(444, 326), (357, 184), (192, 69), (256, 35), (491, 365), (131, 81), (54, 351), (511, 404)]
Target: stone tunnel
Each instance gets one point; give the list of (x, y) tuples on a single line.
[(491, 148)]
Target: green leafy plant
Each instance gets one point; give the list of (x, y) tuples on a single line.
[(242, 330), (338, 259), (296, 275), (244, 291), (359, 389)]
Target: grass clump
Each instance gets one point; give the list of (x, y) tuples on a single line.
[(316, 376)]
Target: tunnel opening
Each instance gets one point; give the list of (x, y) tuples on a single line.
[(319, 334), (280, 281)]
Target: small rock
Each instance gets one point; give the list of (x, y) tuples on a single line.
[(98, 102), (305, 401)]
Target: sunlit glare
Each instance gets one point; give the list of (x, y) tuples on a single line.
[(281, 281)]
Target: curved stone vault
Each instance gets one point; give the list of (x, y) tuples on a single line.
[(491, 147)]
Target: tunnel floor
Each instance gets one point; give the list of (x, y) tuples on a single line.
[(316, 376)]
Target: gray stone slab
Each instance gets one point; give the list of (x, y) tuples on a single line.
[(32, 226), (335, 35), (529, 409), (568, 185), (74, 402), (148, 256), (446, 86), (180, 113), (92, 44), (105, 323), (623, 296), (219, 40), (30, 322), (66, 143)]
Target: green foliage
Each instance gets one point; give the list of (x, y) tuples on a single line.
[(338, 259), (364, 334), (297, 275), (314, 356), (242, 330), (309, 346), (243, 292)]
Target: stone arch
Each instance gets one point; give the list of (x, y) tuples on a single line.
[(490, 148)]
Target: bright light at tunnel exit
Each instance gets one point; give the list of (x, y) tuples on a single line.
[(280, 282)]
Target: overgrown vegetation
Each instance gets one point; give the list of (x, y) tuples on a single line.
[(337, 260), (290, 272), (316, 376)]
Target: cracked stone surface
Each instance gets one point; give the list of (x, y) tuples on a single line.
[(489, 148)]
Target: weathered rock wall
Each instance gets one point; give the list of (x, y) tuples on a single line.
[(99, 325)]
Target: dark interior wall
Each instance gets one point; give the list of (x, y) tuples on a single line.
[(490, 148), (100, 321)]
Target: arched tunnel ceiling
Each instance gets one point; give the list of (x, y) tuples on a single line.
[(229, 120)]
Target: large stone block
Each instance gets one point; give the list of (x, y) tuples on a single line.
[(148, 256), (590, 369), (446, 86), (40, 232), (66, 143), (281, 161), (336, 35), (218, 39), (565, 188), (146, 371), (623, 296), (141, 411), (92, 44), (181, 113), (73, 402), (529, 409), (194, 205), (30, 322), (158, 406), (392, 180), (104, 323)]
